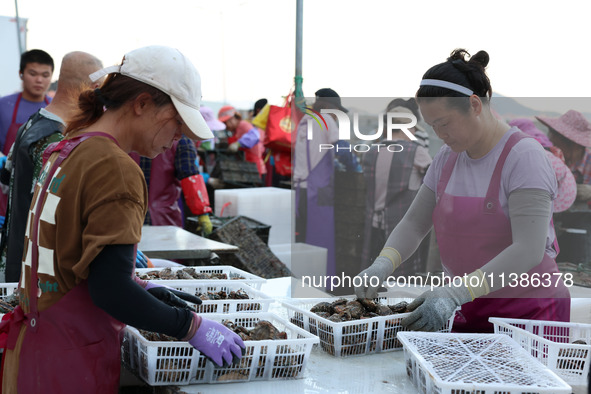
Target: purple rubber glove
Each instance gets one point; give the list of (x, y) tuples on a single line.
[(171, 296), (250, 138), (217, 342)]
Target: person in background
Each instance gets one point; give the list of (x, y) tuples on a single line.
[(207, 160), (268, 158), (36, 69), (168, 176), (411, 104), (277, 161), (567, 187), (246, 137), (258, 106), (393, 177), (488, 195), (77, 288), (25, 159), (571, 133), (214, 125), (313, 177)]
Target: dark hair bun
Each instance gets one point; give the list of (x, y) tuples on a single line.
[(481, 58), (458, 57)]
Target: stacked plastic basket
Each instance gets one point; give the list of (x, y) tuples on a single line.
[(178, 363), (563, 347), (475, 363), (355, 337), (165, 363)]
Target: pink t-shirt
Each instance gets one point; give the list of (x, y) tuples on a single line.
[(526, 167)]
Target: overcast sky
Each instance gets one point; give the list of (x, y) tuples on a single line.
[(245, 49)]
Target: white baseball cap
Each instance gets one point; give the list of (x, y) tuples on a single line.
[(170, 71)]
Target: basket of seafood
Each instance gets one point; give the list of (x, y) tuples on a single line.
[(275, 350), (563, 347), (347, 326), (475, 363), (214, 272), (223, 296), (9, 297)]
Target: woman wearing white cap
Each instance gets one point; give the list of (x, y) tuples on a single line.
[(77, 287), (488, 195)]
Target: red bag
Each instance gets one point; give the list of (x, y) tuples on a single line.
[(282, 163), (196, 195), (280, 124)]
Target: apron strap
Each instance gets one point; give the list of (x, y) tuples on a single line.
[(308, 157), (491, 202), (446, 173), (16, 105), (64, 147)]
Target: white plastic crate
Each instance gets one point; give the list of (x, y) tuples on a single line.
[(233, 273), (550, 342), (165, 363), (257, 301), (269, 205), (355, 337), (7, 289), (475, 363)]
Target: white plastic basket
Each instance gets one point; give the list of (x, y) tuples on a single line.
[(7, 289), (165, 363), (355, 337), (550, 342), (257, 301), (233, 273), (475, 363)]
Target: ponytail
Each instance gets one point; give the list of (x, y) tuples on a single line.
[(117, 90)]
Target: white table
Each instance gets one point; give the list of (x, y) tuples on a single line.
[(374, 373), (171, 242)]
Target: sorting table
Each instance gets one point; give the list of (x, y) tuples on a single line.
[(379, 373), (171, 242)]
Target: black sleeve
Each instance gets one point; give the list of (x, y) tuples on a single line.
[(113, 289), (5, 176)]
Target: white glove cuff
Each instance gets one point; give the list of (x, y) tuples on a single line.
[(476, 284), (393, 257)]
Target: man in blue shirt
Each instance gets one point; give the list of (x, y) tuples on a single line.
[(36, 69)]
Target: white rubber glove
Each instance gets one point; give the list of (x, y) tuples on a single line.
[(234, 146), (433, 308), (381, 268), (216, 183)]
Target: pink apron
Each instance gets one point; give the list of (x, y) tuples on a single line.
[(164, 189), (470, 232), (254, 154), (73, 346), (13, 128)]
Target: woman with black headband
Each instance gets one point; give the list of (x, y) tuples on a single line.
[(489, 196)]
